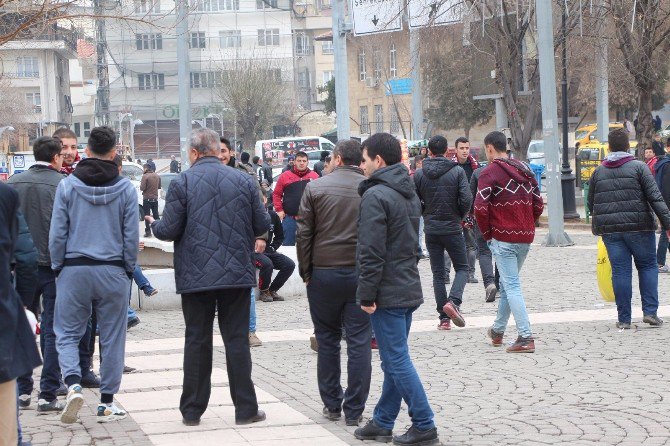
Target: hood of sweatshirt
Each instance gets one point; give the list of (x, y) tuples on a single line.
[(436, 167), (98, 181), (515, 169), (396, 177), (617, 159)]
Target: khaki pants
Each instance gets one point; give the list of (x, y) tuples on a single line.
[(8, 427)]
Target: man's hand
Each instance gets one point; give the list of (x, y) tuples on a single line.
[(260, 246), (149, 219), (141, 246), (369, 310), (281, 214)]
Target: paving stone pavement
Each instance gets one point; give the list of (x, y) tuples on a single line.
[(588, 383)]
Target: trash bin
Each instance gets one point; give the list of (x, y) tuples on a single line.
[(538, 169)]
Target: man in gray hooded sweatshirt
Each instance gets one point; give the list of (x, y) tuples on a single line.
[(93, 244)]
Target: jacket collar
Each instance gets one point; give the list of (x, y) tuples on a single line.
[(350, 168)]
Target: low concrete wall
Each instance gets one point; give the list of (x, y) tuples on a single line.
[(160, 254)]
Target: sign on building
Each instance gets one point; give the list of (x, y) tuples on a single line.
[(434, 12), (376, 16)]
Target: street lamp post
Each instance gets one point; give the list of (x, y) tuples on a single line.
[(133, 123), (567, 177), (4, 164), (218, 116)]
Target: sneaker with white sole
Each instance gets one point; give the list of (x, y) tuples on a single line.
[(664, 269), (24, 401), (74, 402), (44, 406), (109, 412)]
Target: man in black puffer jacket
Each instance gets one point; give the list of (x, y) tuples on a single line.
[(442, 187), (623, 198)]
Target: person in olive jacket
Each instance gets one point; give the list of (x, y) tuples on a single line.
[(623, 198)]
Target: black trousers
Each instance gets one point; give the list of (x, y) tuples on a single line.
[(233, 311), (270, 261), (150, 206), (332, 305)]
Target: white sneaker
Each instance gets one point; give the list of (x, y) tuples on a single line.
[(74, 402), (664, 269), (109, 412)]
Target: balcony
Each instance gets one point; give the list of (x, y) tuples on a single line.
[(50, 37)]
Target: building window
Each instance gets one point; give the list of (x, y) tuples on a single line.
[(327, 47), (393, 70), (266, 4), (395, 122), (147, 6), (149, 41), (328, 76), (268, 37), (230, 39), (362, 75), (301, 44), (205, 79), (303, 79), (275, 75), (365, 121), (87, 128), (151, 81), (216, 5), (198, 40), (377, 60), (323, 4), (379, 119), (27, 67), (77, 129), (34, 100)]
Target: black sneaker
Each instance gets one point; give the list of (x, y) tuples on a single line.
[(44, 406), (623, 325), (332, 415), (127, 369), (354, 421), (133, 322), (652, 320), (472, 279), (260, 416), (24, 401), (417, 437), (188, 422), (373, 432), (90, 381)]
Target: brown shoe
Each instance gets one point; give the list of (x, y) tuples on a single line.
[(496, 338), (266, 296), (445, 324), (254, 341), (276, 297), (522, 345), (313, 344), (454, 314)]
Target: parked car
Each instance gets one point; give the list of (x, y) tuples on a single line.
[(134, 172), (536, 152), (166, 179), (665, 133)]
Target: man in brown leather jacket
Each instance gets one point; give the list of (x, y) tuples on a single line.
[(326, 240)]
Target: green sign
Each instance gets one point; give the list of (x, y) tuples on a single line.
[(197, 112)]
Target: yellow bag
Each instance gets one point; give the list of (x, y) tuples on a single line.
[(604, 273)]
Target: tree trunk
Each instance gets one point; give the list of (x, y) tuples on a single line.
[(248, 139), (644, 119), (466, 130)]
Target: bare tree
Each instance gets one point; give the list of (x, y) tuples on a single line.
[(254, 90), (643, 33)]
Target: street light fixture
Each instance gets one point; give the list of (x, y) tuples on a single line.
[(201, 122), (218, 116)]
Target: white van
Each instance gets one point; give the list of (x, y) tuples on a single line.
[(276, 151)]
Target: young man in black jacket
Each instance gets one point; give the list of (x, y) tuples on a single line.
[(271, 260)]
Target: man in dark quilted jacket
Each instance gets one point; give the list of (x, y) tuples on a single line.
[(215, 216), (623, 198)]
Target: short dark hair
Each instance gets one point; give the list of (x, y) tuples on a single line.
[(102, 140), (226, 141), (244, 157), (64, 132), (419, 158), (349, 150), (148, 167), (118, 160), (301, 154), (45, 148), (498, 140), (324, 154), (255, 159), (329, 158), (438, 145), (461, 139), (618, 140), (386, 146)]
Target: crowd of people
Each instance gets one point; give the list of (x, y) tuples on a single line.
[(356, 226)]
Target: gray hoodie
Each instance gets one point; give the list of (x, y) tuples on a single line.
[(95, 216)]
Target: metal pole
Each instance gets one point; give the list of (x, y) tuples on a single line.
[(417, 105), (545, 48), (132, 138), (602, 92), (501, 114), (341, 70), (184, 82), (567, 178)]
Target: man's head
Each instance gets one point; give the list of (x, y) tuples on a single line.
[(68, 140), (48, 150), (330, 165), (291, 160), (102, 143), (226, 153), (462, 149), (347, 153), (301, 161), (204, 142), (244, 157), (380, 150), (118, 160), (618, 140), (147, 168), (437, 145), (324, 154), (648, 153), (418, 162), (172, 157), (256, 160), (495, 145)]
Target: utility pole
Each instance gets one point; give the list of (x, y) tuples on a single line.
[(102, 93), (602, 91), (341, 70), (417, 99), (545, 49), (184, 82), (567, 178)]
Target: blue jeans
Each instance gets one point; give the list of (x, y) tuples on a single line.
[(663, 248), (641, 247), (455, 246), (51, 375), (139, 278), (401, 381), (252, 312), (509, 260), (290, 226)]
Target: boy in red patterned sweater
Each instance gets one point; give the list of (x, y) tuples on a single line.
[(507, 204)]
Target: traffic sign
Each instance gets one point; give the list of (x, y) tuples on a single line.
[(376, 16), (434, 12)]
